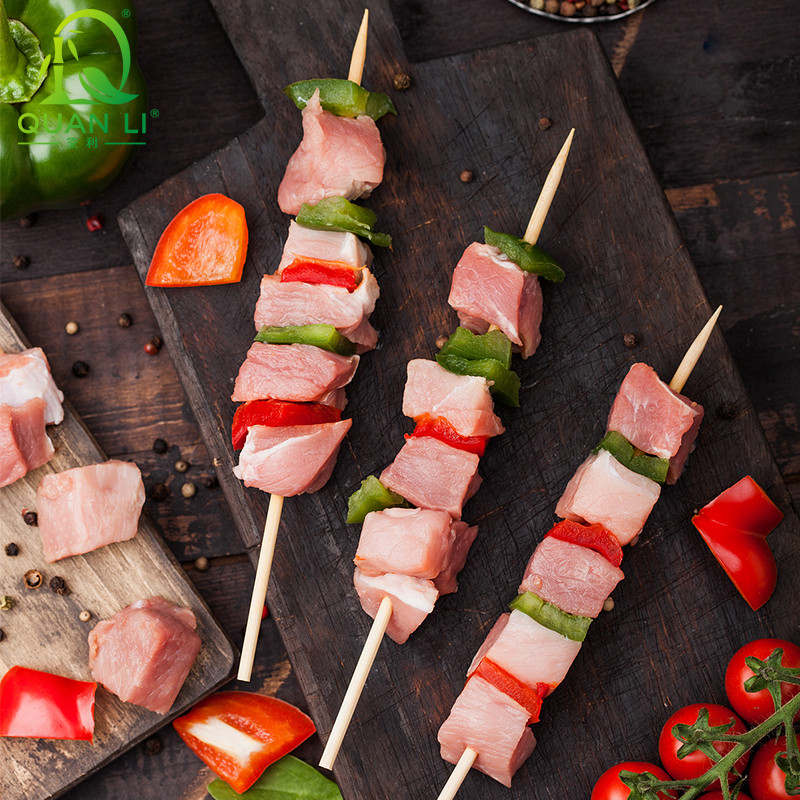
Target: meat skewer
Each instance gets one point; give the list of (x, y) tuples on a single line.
[(385, 609), (536, 577), (273, 519)]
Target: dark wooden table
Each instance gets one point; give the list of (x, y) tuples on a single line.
[(714, 90)]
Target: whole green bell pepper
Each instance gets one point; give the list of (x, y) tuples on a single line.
[(72, 98)]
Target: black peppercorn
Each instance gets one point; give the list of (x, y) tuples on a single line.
[(545, 123), (30, 517), (159, 492), (59, 585), (160, 447), (80, 369), (124, 320), (152, 746), (211, 482), (26, 222), (12, 549), (630, 340), (726, 410), (21, 262), (466, 176)]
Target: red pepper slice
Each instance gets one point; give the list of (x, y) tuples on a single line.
[(310, 270), (529, 698), (439, 428), (735, 526), (45, 706), (595, 537), (239, 734), (278, 414), (205, 244)]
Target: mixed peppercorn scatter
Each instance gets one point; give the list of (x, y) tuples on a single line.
[(585, 8)]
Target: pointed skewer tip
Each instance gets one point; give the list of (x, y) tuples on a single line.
[(359, 51), (693, 354)]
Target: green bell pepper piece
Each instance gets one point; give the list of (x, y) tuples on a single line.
[(69, 84), (324, 336), (466, 344), (569, 625), (651, 467), (341, 97), (339, 214), (528, 257), (506, 382), (372, 495)]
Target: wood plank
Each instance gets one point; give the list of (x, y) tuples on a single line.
[(630, 273), (43, 630)]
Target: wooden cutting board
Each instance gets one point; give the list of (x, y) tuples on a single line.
[(43, 630), (677, 617)]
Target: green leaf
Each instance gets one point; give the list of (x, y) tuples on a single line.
[(72, 48), (287, 779), (100, 88)]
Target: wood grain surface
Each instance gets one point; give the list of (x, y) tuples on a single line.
[(42, 630), (629, 273)]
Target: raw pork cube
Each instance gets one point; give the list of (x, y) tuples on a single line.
[(295, 303), (340, 247), (338, 156), (299, 372), (144, 652), (13, 465), (464, 535), (654, 418), (84, 508), (488, 288), (412, 600), (604, 491), (31, 433), (493, 725), (530, 652), (411, 541), (464, 400), (431, 474), (574, 578), (292, 459), (26, 375)]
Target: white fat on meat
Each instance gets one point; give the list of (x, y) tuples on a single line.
[(603, 491), (464, 400), (337, 246), (27, 375)]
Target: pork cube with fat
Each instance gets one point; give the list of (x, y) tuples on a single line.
[(488, 288), (655, 419), (574, 578), (84, 508), (298, 372), (338, 156), (432, 474), (26, 375), (412, 600), (144, 652), (604, 491), (13, 465), (463, 400), (24, 443), (493, 725), (337, 246), (292, 459), (463, 537)]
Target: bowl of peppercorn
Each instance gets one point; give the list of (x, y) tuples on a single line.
[(582, 10)]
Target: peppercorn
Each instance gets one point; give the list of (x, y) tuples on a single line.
[(537, 4), (95, 222), (211, 482), (160, 447), (589, 11), (608, 604), (629, 340), (33, 579), (466, 176), (80, 369), (30, 517), (402, 81), (545, 123), (153, 346), (188, 490), (152, 746), (12, 549), (441, 341), (726, 410), (181, 466), (124, 320), (567, 9), (72, 328), (21, 262), (201, 564), (552, 6), (612, 8), (58, 585), (159, 492), (6, 603), (26, 222), (85, 616)]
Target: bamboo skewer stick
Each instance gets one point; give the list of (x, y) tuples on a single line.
[(450, 789), (367, 657), (693, 354), (273, 520)]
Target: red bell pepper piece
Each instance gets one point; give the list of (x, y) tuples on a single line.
[(595, 537), (529, 698), (735, 526), (278, 414), (45, 706), (239, 734), (309, 270), (205, 244), (439, 428)]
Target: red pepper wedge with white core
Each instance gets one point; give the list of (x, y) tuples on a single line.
[(239, 734), (735, 526)]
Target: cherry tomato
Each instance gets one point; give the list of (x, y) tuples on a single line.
[(695, 764), (767, 780), (717, 795), (610, 787), (755, 707)]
